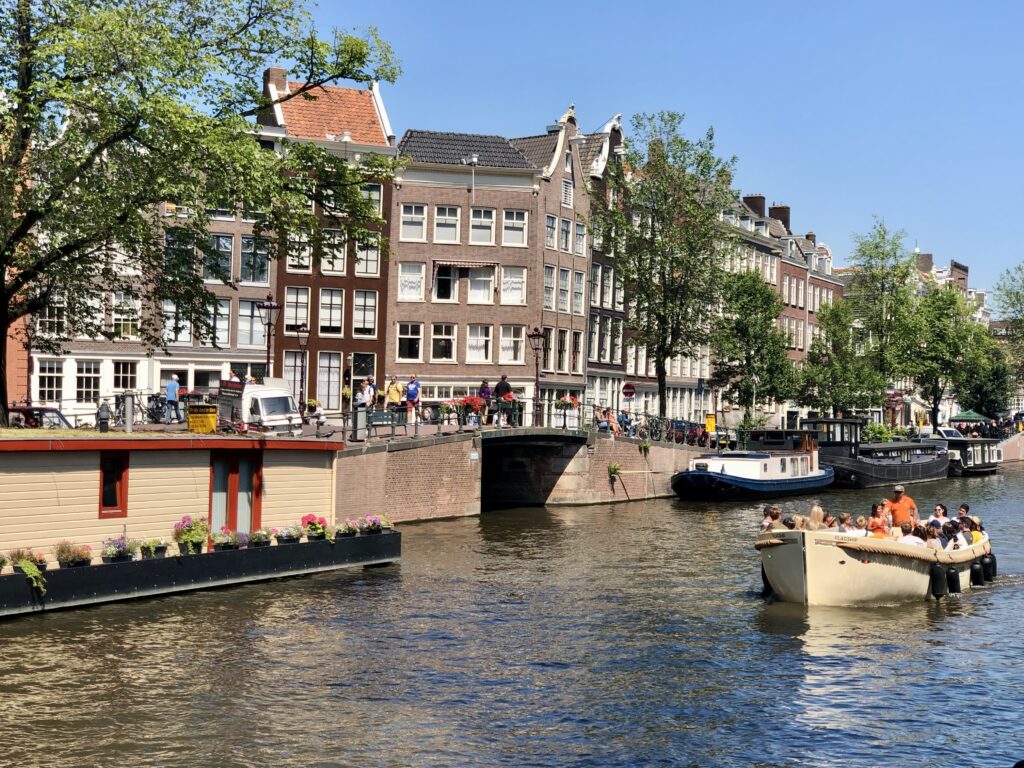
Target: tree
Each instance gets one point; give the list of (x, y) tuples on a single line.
[(836, 377), (882, 298), (1010, 300), (109, 108), (988, 384), (948, 349), (661, 221), (748, 348)]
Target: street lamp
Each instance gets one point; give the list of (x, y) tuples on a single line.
[(268, 309), (302, 332), (536, 337), (30, 332)]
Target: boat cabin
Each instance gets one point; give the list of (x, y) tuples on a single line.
[(770, 454)]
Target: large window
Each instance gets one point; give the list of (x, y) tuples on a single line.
[(51, 381), (328, 381), (217, 263), (607, 275), (363, 364), (577, 292), (255, 261), (565, 235), (298, 257), (251, 331), (514, 232), (616, 341), (176, 329), (512, 344), (410, 281), (620, 296), (481, 285), (478, 344), (332, 311), (577, 351), (372, 193), (364, 313), (548, 354), (296, 309), (513, 285), (125, 374), (410, 342), (446, 284), (113, 484), (581, 238), (446, 224), (87, 386), (52, 319), (550, 227), (562, 360), (414, 222), (442, 343), (592, 344), (368, 256), (335, 252), (595, 284), (220, 322), (126, 307), (481, 231), (563, 289), (293, 371), (549, 287)]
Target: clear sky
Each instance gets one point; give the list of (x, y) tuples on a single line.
[(907, 110)]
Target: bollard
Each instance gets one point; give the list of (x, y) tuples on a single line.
[(129, 412)]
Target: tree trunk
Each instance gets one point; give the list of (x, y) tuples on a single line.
[(659, 368), (4, 330), (935, 411)]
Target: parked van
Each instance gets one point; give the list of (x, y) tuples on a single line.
[(268, 407)]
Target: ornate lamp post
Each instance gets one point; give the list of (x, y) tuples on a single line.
[(268, 309), (536, 337), (30, 333), (302, 332)]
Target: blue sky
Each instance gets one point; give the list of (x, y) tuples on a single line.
[(907, 110)]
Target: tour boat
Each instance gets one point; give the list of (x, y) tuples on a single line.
[(968, 456), (867, 465), (826, 567), (774, 463)]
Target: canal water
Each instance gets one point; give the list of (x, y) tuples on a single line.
[(626, 635)]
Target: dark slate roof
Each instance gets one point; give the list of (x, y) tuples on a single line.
[(452, 148), (537, 149)]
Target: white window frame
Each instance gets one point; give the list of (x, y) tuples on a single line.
[(476, 276), (562, 355), (184, 329), (487, 338), (258, 246), (474, 227), (520, 222), (375, 309), (453, 338), (511, 337), (214, 238), (374, 191), (580, 242), (293, 308), (405, 276), (329, 379), (579, 294), (254, 321), (363, 253), (550, 271), (565, 235), (300, 263), (405, 330), (522, 294), (446, 218), (328, 310), (564, 290), (551, 232), (567, 193), (334, 239), (595, 284), (412, 215), (455, 285), (222, 309)]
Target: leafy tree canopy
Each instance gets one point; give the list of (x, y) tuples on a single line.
[(987, 385)]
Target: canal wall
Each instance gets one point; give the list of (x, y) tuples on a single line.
[(1013, 448)]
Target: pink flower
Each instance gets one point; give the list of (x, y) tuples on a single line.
[(225, 529), (321, 521)]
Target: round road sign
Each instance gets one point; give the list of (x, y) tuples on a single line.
[(628, 390)]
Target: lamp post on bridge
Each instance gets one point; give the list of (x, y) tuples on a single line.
[(536, 337), (268, 309), (302, 332)]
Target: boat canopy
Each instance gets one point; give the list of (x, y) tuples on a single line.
[(835, 431)]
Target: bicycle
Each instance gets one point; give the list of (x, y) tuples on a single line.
[(138, 415)]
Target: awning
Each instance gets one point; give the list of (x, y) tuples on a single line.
[(461, 263), (968, 416)]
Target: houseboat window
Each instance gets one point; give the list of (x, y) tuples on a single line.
[(793, 466), (765, 469), (113, 484), (803, 465), (782, 466)]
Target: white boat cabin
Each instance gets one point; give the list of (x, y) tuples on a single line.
[(770, 455)]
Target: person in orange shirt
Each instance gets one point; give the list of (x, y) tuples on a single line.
[(901, 507)]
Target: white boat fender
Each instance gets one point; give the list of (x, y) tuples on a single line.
[(938, 580), (977, 575), (953, 580), (986, 567)]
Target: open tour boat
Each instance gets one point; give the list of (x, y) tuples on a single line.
[(830, 568)]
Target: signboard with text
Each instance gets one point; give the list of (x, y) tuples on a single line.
[(709, 422)]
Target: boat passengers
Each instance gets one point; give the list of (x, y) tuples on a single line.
[(901, 508)]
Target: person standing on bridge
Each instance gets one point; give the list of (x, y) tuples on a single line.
[(504, 388), (412, 397)]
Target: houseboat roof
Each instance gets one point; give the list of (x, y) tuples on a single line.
[(161, 443)]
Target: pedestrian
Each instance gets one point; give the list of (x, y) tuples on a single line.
[(372, 398), (500, 390), (234, 377), (393, 394), (412, 397), (172, 400), (484, 392)]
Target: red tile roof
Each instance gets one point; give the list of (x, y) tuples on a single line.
[(333, 110)]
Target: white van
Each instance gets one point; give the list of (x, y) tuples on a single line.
[(267, 408)]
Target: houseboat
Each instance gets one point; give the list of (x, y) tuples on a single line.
[(832, 568), (773, 463), (967, 455), (867, 465)]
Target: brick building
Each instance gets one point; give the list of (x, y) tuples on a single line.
[(340, 297)]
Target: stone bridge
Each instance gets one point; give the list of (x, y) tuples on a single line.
[(460, 474)]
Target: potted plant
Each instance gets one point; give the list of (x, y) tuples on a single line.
[(386, 525), (71, 555), (3, 561), (119, 549), (259, 538), (289, 535), (190, 534), (152, 549), (613, 470), (224, 539), (349, 528), (22, 555), (565, 404), (314, 527), (370, 525)]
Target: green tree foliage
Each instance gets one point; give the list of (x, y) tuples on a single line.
[(1010, 300), (748, 349), (111, 107), (835, 377), (661, 221), (882, 298), (948, 348), (987, 385)]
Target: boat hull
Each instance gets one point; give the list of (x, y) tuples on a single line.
[(859, 473), (713, 486), (826, 568)]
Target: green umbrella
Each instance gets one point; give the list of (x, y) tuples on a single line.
[(969, 416)]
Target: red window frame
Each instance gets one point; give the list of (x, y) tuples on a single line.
[(117, 464), (231, 515)]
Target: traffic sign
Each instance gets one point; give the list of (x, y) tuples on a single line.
[(628, 391)]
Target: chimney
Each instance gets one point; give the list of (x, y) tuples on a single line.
[(781, 212), (812, 237), (925, 262), (755, 203), (277, 77)]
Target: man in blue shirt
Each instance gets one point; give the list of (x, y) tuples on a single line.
[(412, 397), (172, 400)]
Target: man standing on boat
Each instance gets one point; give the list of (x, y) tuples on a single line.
[(901, 507)]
